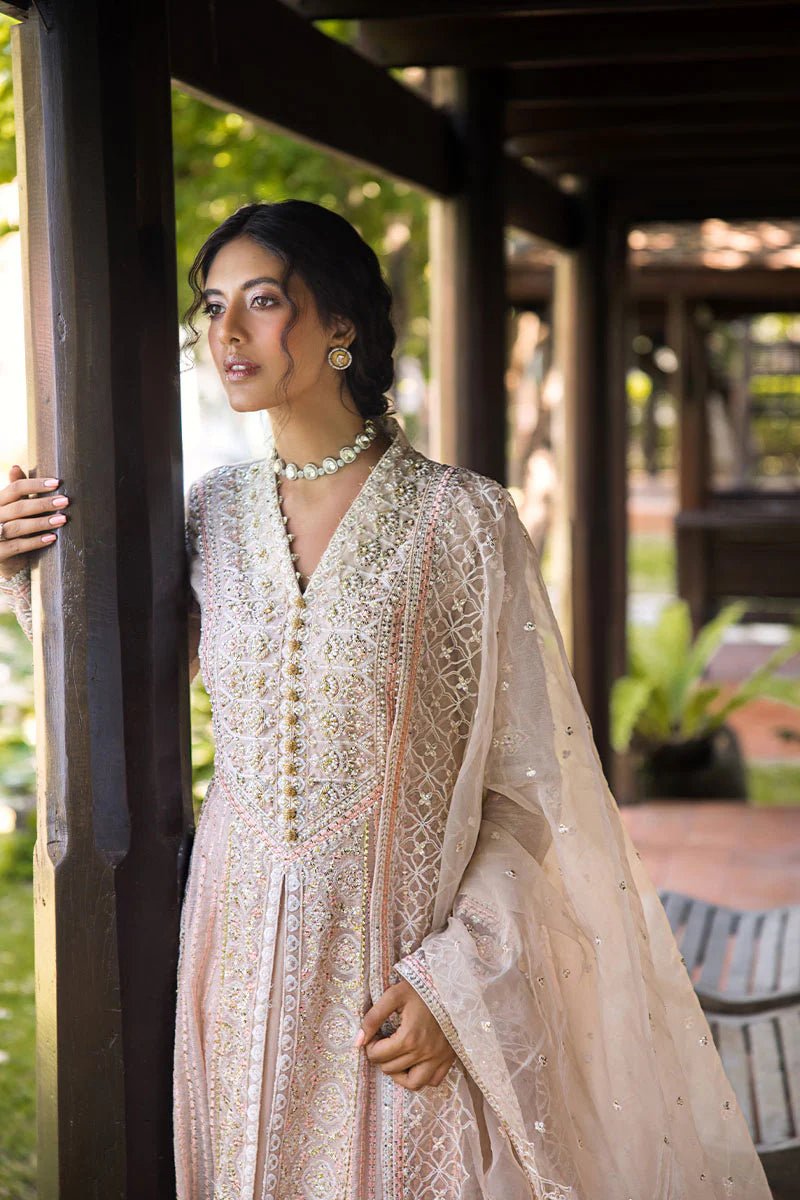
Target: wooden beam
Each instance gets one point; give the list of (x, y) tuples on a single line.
[(317, 89), (746, 289), (489, 40), (655, 118), (770, 76), (18, 10), (590, 330), (637, 146), (536, 204), (468, 339), (315, 10), (662, 193), (92, 93)]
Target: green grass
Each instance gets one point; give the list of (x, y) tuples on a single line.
[(774, 784), (17, 1043), (651, 563)]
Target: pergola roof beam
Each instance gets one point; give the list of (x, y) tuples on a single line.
[(538, 206), (498, 40), (767, 77), (315, 10), (642, 146), (313, 87), (656, 118)]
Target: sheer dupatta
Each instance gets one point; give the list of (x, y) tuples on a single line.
[(551, 967)]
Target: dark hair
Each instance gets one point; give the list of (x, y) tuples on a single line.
[(340, 269)]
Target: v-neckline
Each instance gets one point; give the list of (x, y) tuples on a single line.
[(393, 430)]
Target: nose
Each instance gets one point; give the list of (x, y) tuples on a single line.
[(229, 327)]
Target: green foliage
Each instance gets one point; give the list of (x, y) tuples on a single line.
[(16, 852), (17, 1042), (202, 742), (17, 729), (8, 150), (663, 698)]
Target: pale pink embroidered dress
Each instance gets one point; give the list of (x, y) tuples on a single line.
[(406, 785)]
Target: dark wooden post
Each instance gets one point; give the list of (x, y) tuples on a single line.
[(591, 329), (92, 90), (691, 387), (468, 294)]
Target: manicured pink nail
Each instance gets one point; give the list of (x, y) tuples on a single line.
[(59, 520), (51, 483), (49, 537)]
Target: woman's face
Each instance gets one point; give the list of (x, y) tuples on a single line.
[(247, 312)]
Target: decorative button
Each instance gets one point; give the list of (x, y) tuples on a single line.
[(290, 813), (291, 834)]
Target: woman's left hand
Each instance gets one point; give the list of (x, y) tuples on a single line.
[(417, 1054)]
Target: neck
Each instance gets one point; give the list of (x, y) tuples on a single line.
[(310, 438)]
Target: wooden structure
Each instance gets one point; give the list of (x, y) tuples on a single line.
[(746, 970), (528, 120), (740, 541), (761, 1055), (741, 961)]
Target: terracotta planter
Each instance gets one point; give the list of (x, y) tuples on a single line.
[(703, 768)]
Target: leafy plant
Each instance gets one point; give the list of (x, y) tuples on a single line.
[(663, 699)]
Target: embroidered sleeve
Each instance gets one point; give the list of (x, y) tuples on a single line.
[(15, 595)]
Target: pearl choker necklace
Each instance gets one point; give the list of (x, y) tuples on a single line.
[(347, 454)]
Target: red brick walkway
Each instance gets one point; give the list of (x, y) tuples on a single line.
[(720, 851)]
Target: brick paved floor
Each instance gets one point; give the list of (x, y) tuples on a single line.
[(719, 851)]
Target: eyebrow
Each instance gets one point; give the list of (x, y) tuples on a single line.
[(248, 284)]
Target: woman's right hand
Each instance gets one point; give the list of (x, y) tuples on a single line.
[(28, 524)]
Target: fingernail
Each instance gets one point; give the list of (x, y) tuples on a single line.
[(359, 1038), (51, 483), (59, 520), (60, 501), (49, 537)]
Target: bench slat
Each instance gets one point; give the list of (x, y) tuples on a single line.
[(766, 960), (789, 973), (694, 936), (743, 950), (729, 1040), (716, 948), (774, 1121), (789, 1025)]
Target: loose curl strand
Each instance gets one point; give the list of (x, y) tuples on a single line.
[(340, 269)]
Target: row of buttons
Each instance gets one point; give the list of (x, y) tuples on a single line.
[(290, 720)]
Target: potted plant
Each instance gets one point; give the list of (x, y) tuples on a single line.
[(669, 718)]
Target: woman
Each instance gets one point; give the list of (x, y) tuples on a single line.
[(408, 835)]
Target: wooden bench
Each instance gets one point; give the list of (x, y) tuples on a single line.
[(739, 960), (761, 1056)]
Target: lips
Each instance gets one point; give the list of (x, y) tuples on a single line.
[(240, 368)]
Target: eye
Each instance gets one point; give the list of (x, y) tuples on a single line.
[(207, 311)]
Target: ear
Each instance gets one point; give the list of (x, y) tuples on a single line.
[(343, 331)]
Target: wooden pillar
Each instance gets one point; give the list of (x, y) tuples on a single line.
[(468, 292), (92, 91), (591, 327), (691, 388)]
